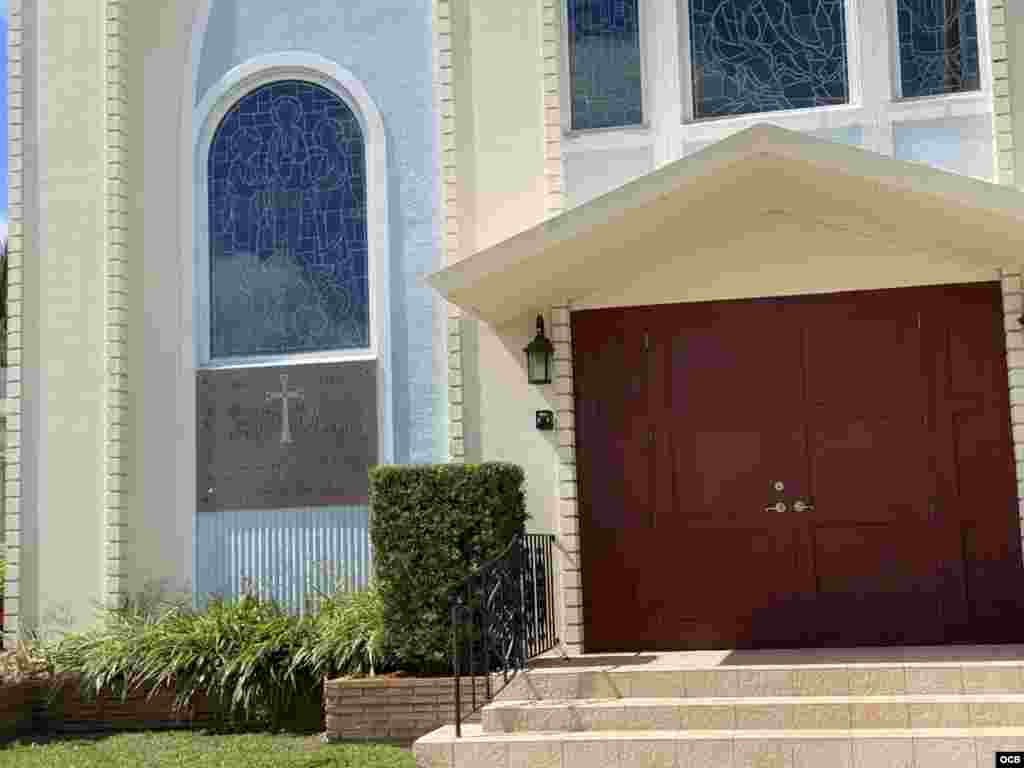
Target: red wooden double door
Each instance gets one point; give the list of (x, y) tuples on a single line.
[(832, 470)]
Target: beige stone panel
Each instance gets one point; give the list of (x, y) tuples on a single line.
[(938, 715), (592, 753), (883, 753), (547, 718), (647, 685), (701, 683), (879, 715), (877, 681), (472, 754), (995, 679), (597, 685), (708, 718), (822, 753), (664, 717), (758, 753), (598, 718), (433, 754), (650, 753), (760, 717), (534, 754), (706, 753), (563, 685), (934, 680), (822, 682), (766, 682), (803, 716), (945, 753)]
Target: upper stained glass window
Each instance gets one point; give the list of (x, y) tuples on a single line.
[(604, 63), (287, 221), (765, 55), (938, 47)]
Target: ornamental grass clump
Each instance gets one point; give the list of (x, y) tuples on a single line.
[(236, 652), (348, 638)]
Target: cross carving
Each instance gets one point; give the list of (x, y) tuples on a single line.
[(285, 395)]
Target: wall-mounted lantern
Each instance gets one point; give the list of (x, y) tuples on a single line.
[(538, 356)]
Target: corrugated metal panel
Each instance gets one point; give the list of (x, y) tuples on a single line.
[(285, 554)]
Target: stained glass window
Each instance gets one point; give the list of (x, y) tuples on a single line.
[(938, 47), (604, 63), (765, 55), (287, 213)]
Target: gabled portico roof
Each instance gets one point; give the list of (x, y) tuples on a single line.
[(740, 185)]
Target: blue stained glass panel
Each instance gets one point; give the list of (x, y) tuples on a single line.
[(604, 63), (287, 213), (766, 55), (938, 47)]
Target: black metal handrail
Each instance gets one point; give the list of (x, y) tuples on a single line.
[(502, 616)]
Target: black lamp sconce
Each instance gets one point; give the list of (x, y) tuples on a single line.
[(538, 356)]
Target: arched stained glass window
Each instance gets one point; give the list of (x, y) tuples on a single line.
[(287, 222)]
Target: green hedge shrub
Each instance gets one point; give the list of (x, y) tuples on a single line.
[(431, 525)]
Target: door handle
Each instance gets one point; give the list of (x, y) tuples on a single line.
[(779, 506), (802, 506)]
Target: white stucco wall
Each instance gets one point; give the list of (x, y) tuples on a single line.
[(178, 51), (875, 117)]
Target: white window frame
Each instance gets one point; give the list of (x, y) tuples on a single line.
[(644, 126), (984, 58), (233, 86)]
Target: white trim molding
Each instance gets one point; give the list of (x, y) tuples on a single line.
[(217, 101), (568, 506), (444, 96), (15, 281), (116, 319), (1002, 106), (1013, 308)]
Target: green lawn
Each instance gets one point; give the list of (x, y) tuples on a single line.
[(201, 750)]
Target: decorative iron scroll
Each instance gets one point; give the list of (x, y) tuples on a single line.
[(503, 615)]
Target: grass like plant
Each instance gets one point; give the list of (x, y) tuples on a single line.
[(259, 662)]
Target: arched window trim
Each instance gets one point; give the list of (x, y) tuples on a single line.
[(218, 101), (221, 97)]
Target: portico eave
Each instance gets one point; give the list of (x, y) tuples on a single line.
[(741, 185)]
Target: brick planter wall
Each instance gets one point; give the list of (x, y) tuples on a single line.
[(16, 701), (395, 709), (69, 712)]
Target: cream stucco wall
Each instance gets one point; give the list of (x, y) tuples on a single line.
[(63, 381), (161, 349), (502, 192)]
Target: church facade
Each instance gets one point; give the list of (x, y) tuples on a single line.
[(260, 247)]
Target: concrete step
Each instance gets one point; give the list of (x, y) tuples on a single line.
[(868, 748), (861, 679), (761, 713)]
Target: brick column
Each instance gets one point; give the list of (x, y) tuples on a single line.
[(116, 321), (551, 37), (1003, 119), (1013, 307), (16, 254), (445, 90), (568, 509)]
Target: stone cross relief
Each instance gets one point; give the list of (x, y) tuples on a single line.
[(285, 396)]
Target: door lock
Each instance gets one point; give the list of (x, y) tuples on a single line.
[(802, 506), (779, 506)]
